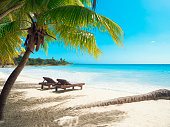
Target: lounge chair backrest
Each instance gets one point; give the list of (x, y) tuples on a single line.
[(63, 82), (49, 80)]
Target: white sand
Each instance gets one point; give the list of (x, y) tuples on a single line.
[(141, 114), (21, 78), (146, 114), (138, 114)]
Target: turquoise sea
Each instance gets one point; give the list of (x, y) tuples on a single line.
[(134, 78)]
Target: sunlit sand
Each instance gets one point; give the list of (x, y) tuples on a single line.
[(28, 105)]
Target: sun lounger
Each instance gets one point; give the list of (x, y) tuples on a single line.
[(63, 84), (48, 82)]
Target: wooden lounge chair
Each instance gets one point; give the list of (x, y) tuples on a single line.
[(48, 82), (63, 84)]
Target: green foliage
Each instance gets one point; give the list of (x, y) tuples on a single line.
[(6, 4), (68, 21), (87, 2), (10, 33), (39, 61), (9, 49), (72, 27)]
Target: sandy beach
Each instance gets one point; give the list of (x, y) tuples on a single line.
[(29, 106), (84, 63)]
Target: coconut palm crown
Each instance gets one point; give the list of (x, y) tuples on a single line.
[(67, 22)]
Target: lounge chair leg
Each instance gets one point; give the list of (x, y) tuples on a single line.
[(73, 87), (42, 86), (56, 89), (48, 87), (64, 89)]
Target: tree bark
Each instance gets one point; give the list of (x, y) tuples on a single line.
[(10, 81), (154, 95)]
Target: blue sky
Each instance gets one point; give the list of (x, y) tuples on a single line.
[(146, 24)]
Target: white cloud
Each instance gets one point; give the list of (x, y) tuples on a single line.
[(153, 41)]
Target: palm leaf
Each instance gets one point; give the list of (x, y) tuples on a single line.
[(10, 40), (84, 18), (7, 6), (77, 39), (87, 2), (38, 6)]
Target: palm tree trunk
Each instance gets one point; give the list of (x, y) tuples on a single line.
[(10, 81), (154, 95)]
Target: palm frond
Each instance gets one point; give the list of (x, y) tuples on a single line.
[(38, 6), (6, 4), (77, 39), (113, 29), (84, 18), (87, 2), (10, 40), (45, 46), (60, 3)]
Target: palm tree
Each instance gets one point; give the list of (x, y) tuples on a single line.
[(42, 21)]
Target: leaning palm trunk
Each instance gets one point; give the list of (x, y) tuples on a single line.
[(155, 95), (12, 78)]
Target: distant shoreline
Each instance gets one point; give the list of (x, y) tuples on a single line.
[(9, 66)]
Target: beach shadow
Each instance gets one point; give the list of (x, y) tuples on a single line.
[(2, 82), (68, 90), (59, 91), (15, 116), (101, 119), (44, 89), (18, 97), (26, 85)]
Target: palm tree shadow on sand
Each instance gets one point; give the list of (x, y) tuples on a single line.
[(154, 95), (23, 112)]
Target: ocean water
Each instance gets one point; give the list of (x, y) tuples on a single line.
[(133, 78)]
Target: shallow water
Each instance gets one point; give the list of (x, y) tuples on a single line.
[(122, 77)]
